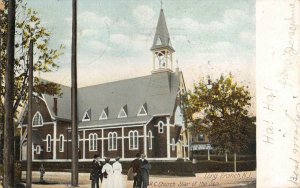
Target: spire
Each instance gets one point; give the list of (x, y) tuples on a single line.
[(161, 48), (162, 37)]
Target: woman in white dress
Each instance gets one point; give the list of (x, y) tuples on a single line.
[(118, 179), (107, 172)]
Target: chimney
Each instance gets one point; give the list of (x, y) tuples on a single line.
[(55, 105)]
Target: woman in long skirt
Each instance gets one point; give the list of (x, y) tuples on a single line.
[(118, 179), (107, 172)]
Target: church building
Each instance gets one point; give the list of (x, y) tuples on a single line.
[(120, 118)]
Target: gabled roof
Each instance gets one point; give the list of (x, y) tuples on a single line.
[(162, 37), (158, 91)]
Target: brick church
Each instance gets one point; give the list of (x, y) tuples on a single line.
[(118, 118)]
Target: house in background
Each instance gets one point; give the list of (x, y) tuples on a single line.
[(119, 118), (200, 145)]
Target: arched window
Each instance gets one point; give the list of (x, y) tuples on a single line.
[(78, 141), (61, 143), (173, 144), (160, 127), (37, 119), (49, 144), (93, 142), (150, 139), (133, 140), (38, 149), (112, 141)]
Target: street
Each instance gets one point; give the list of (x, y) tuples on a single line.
[(228, 179)]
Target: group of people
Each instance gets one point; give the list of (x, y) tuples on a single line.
[(140, 169), (110, 176)]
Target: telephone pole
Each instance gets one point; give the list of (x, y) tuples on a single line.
[(9, 168), (29, 124), (1, 88), (74, 96)]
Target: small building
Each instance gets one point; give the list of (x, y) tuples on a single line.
[(120, 118), (199, 144)]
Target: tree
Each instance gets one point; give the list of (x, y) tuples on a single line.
[(221, 112), (28, 27), (8, 160)]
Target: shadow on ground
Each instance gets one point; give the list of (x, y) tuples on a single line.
[(23, 184)]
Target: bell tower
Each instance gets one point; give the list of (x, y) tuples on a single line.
[(162, 48)]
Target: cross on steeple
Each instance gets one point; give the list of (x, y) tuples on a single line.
[(161, 4)]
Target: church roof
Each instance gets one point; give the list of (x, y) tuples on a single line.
[(162, 37), (63, 103), (158, 91)]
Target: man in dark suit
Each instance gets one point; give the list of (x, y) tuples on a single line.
[(96, 171), (136, 165), (145, 171)]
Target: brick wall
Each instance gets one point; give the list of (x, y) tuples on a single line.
[(43, 132)]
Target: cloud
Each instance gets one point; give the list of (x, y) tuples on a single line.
[(143, 13), (247, 38), (138, 43), (119, 39), (234, 16), (91, 18), (89, 33), (232, 19), (96, 46)]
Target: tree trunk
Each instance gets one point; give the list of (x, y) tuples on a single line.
[(74, 97), (29, 127), (226, 158), (234, 161), (9, 168)]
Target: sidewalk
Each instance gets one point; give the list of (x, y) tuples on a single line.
[(231, 179)]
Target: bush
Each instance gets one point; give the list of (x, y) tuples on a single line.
[(218, 166), (222, 157)]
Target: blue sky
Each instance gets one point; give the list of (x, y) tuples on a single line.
[(115, 36)]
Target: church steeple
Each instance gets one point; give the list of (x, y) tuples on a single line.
[(162, 48)]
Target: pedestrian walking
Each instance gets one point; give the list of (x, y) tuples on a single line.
[(95, 171), (42, 172), (107, 172), (136, 165), (118, 179), (145, 171)]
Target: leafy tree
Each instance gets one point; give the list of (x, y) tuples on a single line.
[(28, 27), (221, 112)]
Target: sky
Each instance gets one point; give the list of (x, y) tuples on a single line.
[(115, 37)]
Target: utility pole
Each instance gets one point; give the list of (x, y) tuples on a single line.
[(9, 167), (29, 124), (74, 96), (1, 89)]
